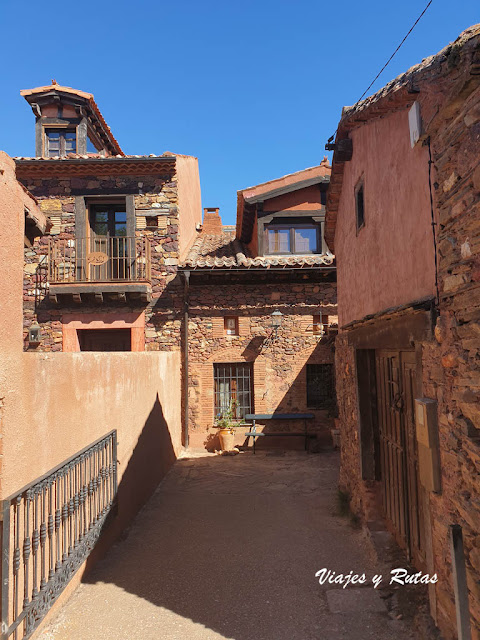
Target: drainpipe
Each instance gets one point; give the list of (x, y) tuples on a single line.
[(185, 358)]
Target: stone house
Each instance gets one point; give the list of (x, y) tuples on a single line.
[(127, 266), (403, 213), (275, 261), (103, 278)]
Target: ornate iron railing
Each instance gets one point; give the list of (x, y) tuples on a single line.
[(99, 259), (49, 529)]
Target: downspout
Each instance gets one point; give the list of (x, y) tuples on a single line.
[(185, 358)]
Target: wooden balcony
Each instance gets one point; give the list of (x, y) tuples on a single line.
[(99, 265)]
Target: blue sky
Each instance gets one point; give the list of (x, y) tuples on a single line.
[(252, 88)]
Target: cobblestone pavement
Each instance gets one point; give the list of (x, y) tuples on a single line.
[(228, 548)]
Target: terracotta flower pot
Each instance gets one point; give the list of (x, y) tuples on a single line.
[(227, 439)]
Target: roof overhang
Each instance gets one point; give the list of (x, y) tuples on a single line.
[(70, 167), (280, 191)]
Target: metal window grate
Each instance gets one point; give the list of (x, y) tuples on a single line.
[(233, 382), (320, 386)]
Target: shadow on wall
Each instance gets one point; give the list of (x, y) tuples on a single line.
[(294, 400), (151, 459)]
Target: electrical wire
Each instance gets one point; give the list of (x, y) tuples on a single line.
[(386, 64)]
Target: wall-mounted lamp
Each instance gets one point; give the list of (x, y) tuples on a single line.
[(34, 335), (277, 318)]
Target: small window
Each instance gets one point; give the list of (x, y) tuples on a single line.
[(360, 206), (320, 386), (320, 324), (231, 326), (60, 142), (105, 339), (152, 221), (301, 238)]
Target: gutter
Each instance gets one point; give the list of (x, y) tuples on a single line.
[(186, 275)]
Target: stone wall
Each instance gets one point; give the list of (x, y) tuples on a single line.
[(279, 371), (449, 362), (454, 373), (152, 193)]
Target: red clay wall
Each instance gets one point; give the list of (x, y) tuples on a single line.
[(393, 252)]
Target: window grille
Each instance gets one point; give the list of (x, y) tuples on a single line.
[(320, 386), (233, 383)]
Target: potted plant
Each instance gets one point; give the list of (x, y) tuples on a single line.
[(226, 422)]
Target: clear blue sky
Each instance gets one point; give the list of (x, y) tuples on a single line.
[(252, 88)]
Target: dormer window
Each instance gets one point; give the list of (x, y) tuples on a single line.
[(60, 142), (292, 238)]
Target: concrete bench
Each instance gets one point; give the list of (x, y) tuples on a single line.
[(253, 433)]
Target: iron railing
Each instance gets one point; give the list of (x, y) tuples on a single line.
[(99, 259), (49, 529)]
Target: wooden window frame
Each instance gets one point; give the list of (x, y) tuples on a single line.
[(226, 330), (62, 128), (292, 228)]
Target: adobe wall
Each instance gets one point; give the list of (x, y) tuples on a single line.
[(279, 373), (163, 314), (393, 252)]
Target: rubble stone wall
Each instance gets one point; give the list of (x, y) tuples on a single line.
[(279, 364), (152, 193)]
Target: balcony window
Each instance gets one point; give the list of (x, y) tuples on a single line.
[(60, 142), (295, 238)]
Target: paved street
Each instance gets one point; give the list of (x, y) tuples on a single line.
[(227, 548)]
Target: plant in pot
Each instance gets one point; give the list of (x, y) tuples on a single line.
[(226, 422)]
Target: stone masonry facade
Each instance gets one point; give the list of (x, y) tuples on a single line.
[(279, 366), (56, 200)]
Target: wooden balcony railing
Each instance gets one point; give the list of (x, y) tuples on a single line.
[(99, 259)]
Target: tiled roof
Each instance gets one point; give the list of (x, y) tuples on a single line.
[(409, 79), (89, 156), (225, 251)]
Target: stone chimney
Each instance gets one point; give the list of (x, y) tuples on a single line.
[(212, 223)]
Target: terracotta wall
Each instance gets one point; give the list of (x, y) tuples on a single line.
[(64, 401), (279, 370), (393, 252), (189, 201), (302, 199)]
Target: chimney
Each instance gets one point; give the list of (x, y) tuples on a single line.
[(212, 223)]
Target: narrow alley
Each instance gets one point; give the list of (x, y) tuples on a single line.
[(228, 547)]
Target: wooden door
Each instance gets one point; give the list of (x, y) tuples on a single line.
[(398, 449)]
